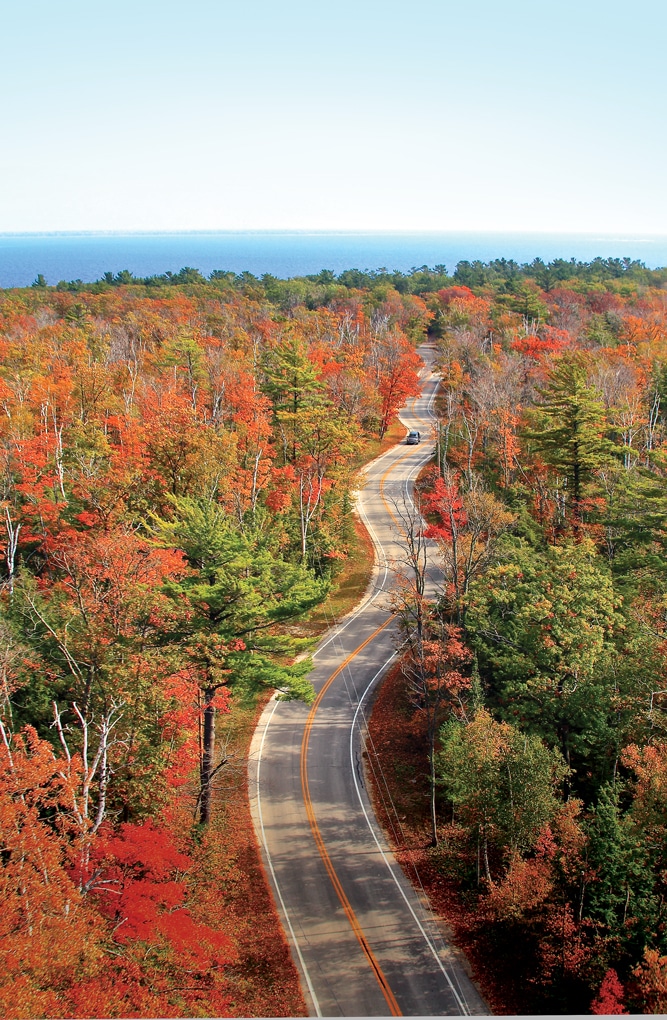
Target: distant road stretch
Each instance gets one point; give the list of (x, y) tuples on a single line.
[(364, 942)]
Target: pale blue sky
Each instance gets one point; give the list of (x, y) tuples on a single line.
[(355, 115)]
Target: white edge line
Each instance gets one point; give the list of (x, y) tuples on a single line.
[(462, 1005), (378, 588), (392, 872), (379, 548), (368, 601), (311, 990)]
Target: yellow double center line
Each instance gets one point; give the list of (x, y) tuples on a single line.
[(391, 513), (310, 813), (389, 996)]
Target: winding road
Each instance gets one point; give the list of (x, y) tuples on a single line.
[(364, 942)]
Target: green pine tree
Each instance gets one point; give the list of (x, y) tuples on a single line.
[(570, 427), (228, 606)]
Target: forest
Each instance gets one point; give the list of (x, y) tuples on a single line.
[(533, 688), (178, 461), (176, 474)]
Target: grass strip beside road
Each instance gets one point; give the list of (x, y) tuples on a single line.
[(264, 981), (350, 585), (347, 590)]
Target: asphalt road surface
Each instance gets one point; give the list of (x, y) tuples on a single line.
[(364, 942)]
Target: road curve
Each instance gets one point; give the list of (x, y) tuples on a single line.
[(365, 944)]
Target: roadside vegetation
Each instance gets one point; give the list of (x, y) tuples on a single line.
[(176, 527), (530, 712)]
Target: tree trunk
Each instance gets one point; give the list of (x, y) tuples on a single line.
[(434, 820), (564, 733), (12, 546), (576, 488), (487, 869), (208, 753), (479, 853)]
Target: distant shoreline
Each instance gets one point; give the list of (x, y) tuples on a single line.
[(88, 255), (615, 236)]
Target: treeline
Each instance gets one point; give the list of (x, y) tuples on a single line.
[(321, 288), (175, 477), (539, 675)]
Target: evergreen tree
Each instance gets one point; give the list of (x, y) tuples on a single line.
[(542, 625), (621, 893), (570, 426), (290, 379), (239, 588)]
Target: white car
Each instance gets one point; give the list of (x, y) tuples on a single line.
[(413, 438)]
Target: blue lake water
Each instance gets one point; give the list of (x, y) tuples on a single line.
[(86, 256)]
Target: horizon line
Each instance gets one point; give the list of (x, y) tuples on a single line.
[(351, 232)]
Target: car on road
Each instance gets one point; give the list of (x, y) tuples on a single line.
[(413, 438)]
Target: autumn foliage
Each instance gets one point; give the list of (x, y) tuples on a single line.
[(177, 460), (546, 513), (176, 470)]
